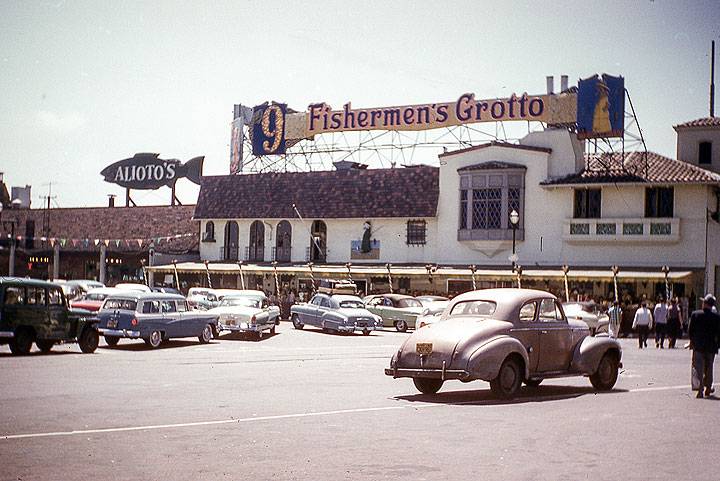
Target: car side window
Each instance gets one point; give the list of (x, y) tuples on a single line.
[(549, 311), (36, 296), (527, 311), (388, 302), (55, 297), (169, 306), (151, 307), (14, 295), (317, 300), (182, 306), (325, 302)]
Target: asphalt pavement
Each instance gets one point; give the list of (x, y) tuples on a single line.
[(307, 405)]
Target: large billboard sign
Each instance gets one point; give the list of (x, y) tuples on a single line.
[(596, 107), (148, 171)]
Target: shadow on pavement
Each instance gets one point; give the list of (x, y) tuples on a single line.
[(40, 353), (244, 336), (141, 346), (484, 397)]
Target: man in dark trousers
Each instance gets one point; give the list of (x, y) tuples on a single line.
[(704, 332)]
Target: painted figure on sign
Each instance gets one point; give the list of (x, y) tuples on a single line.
[(365, 245)]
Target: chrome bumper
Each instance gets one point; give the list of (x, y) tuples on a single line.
[(222, 327), (443, 374), (119, 332), (7, 334), (354, 328)]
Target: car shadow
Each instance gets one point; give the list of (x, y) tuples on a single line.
[(40, 353), (484, 397), (244, 336), (141, 346)]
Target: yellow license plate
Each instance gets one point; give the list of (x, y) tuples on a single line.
[(423, 348)]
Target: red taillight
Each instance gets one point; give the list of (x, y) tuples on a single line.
[(133, 322), (253, 319)]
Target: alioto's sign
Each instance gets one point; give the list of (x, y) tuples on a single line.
[(147, 171), (596, 108)]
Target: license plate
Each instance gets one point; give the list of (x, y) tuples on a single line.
[(112, 323), (423, 348)]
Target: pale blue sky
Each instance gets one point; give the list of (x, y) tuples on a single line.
[(86, 83)]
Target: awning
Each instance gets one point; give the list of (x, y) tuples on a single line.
[(323, 270)]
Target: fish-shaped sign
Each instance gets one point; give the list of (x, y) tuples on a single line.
[(147, 171)]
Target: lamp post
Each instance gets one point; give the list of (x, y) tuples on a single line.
[(11, 223), (514, 220)]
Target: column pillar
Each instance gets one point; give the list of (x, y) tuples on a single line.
[(103, 264), (151, 262), (56, 261), (11, 266)]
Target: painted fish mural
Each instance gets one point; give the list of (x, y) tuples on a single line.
[(147, 171)]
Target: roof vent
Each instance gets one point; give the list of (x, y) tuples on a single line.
[(349, 165)]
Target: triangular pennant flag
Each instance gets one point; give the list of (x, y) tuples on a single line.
[(74, 242), (52, 242), (117, 243), (106, 242), (63, 242), (43, 239), (140, 242)]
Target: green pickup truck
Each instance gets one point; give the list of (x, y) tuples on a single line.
[(37, 311)]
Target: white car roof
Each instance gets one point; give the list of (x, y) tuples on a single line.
[(130, 286)]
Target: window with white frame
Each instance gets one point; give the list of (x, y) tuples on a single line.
[(487, 197)]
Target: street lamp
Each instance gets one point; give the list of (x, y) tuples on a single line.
[(514, 220), (11, 223)]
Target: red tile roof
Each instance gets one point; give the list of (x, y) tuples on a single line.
[(324, 194), (170, 228), (609, 168), (699, 123)]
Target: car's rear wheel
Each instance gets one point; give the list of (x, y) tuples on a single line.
[(426, 385), (507, 383), (366, 332), (21, 344), (206, 335), (273, 330), (296, 322), (112, 340), (89, 340), (401, 325), (45, 345), (606, 375), (154, 340)]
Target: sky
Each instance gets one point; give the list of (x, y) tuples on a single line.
[(86, 83)]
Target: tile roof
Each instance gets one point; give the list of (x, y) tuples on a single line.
[(78, 228), (609, 168), (323, 194), (699, 123), (506, 145), (492, 165)]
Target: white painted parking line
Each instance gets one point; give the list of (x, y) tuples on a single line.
[(289, 416)]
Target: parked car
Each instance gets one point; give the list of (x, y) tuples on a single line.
[(153, 317), (427, 300), (335, 313), (37, 311), (93, 299), (202, 298), (431, 313), (248, 311), (166, 290), (397, 310), (507, 337), (132, 286), (589, 313)]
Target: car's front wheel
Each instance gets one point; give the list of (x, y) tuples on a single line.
[(89, 340), (296, 322), (507, 383), (21, 344), (401, 325), (607, 373), (427, 386), (206, 335)]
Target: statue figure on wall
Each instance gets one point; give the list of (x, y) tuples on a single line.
[(365, 246)]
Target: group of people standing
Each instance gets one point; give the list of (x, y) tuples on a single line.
[(666, 318)]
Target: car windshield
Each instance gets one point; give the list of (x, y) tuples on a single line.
[(409, 303), (474, 308), (95, 297), (124, 304), (351, 304), (240, 301)]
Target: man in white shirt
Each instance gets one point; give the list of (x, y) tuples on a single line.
[(660, 313), (642, 322)]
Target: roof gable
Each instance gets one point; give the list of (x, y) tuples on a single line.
[(506, 145)]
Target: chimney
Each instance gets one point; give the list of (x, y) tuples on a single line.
[(550, 81), (563, 83), (111, 200)]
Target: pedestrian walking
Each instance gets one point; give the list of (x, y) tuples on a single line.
[(704, 332), (642, 322), (674, 322), (615, 317), (660, 315)]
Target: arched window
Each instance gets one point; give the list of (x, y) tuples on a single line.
[(256, 248), (209, 234), (230, 249), (318, 241), (283, 242)]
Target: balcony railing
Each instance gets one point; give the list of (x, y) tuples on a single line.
[(643, 230), (229, 253)]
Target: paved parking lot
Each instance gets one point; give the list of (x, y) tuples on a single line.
[(307, 405)]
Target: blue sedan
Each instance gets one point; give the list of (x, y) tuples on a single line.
[(154, 318)]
